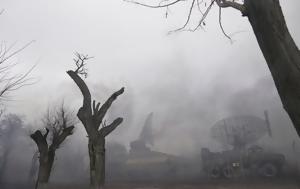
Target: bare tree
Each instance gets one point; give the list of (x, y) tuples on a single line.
[(59, 124), (91, 115), (11, 82), (277, 45)]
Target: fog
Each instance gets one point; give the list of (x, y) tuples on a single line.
[(189, 80)]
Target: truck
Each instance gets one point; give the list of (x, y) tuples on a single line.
[(235, 163), (239, 136)]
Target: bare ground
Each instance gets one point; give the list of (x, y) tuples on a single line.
[(219, 184)]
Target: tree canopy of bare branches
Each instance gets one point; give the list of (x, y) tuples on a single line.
[(201, 7), (10, 81)]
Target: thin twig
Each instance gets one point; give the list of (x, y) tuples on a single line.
[(221, 26), (80, 63), (16, 82), (154, 6), (204, 16), (15, 52), (187, 20)]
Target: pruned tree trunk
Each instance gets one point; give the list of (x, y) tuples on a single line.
[(97, 162), (44, 167), (91, 116), (47, 153), (46, 163), (280, 52)]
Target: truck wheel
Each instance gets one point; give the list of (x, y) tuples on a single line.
[(215, 172), (269, 170), (228, 172)]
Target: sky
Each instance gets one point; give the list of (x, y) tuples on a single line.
[(190, 80)]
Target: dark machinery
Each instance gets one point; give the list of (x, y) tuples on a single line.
[(244, 158)]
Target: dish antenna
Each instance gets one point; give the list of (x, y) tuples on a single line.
[(239, 131)]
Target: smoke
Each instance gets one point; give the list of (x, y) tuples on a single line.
[(188, 80), (184, 110)]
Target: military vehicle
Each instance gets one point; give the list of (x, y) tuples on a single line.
[(234, 163), (244, 158), (141, 163), (144, 164)]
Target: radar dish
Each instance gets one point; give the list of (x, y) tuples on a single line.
[(239, 131)]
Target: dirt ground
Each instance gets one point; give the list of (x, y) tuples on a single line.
[(238, 184), (218, 184)]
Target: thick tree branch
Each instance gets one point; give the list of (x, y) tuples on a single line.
[(95, 107), (99, 115), (85, 112), (108, 129), (41, 141), (46, 134), (84, 90), (60, 138)]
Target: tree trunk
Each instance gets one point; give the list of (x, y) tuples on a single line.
[(91, 116), (280, 52), (92, 163), (46, 163), (97, 162)]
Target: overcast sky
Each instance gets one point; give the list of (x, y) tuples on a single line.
[(189, 80)]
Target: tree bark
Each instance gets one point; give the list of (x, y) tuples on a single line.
[(92, 163), (97, 166), (47, 153), (91, 116), (280, 52), (46, 163), (97, 162)]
